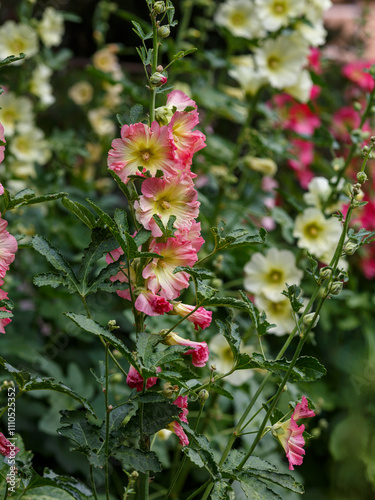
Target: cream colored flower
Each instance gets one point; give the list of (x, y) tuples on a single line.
[(106, 60), (240, 18), (222, 358), (21, 169), (16, 38), (30, 146), (51, 27), (268, 274), (265, 166), (81, 92), (315, 233), (279, 313), (281, 60), (100, 122), (315, 34), (15, 113), (112, 97), (314, 9), (301, 90), (40, 86), (274, 14), (246, 75)]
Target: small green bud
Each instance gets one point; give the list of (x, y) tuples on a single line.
[(112, 325), (336, 288), (117, 378), (164, 31), (159, 7), (357, 106), (134, 475), (325, 274), (203, 395), (361, 177), (117, 354), (308, 319), (157, 79), (163, 115), (350, 247)]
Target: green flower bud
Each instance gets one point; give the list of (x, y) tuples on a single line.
[(203, 395), (159, 7), (117, 378), (163, 115), (350, 247), (336, 288), (325, 274), (307, 320), (164, 31), (357, 106), (361, 177), (157, 79)]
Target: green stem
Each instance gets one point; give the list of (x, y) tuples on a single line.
[(106, 421), (6, 491), (187, 8), (193, 495), (93, 482), (154, 65)]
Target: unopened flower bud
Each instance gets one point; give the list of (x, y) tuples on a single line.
[(361, 177), (308, 319), (350, 247), (213, 368), (336, 288), (157, 79), (357, 106), (117, 354), (112, 325), (117, 378), (110, 408), (338, 163), (159, 68), (372, 139), (164, 31), (169, 389), (159, 7), (325, 274), (203, 395), (163, 115), (134, 475)]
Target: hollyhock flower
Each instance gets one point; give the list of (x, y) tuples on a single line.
[(274, 14), (81, 92), (100, 120), (16, 38), (301, 89), (31, 145), (141, 146), (1, 189), (301, 119), (151, 304), (40, 84), (354, 72), (201, 317), (199, 351), (179, 100), (245, 73), (314, 60), (240, 18), (15, 113), (318, 193), (8, 248), (159, 272), (282, 59), (315, 233), (51, 27), (303, 152), (193, 235), (268, 273), (314, 34), (165, 197), (174, 426), (135, 379), (278, 313), (186, 140), (6, 447), (223, 360), (290, 435)]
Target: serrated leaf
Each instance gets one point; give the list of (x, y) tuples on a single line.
[(226, 302), (294, 294), (142, 236), (146, 343), (50, 279), (120, 184), (76, 488), (5, 314), (255, 489), (220, 390), (91, 326), (193, 455), (138, 460), (32, 200), (231, 334), (222, 491), (284, 480), (203, 447), (135, 113), (11, 59), (204, 291), (80, 211), (200, 272), (121, 220), (235, 457), (258, 318), (156, 416)]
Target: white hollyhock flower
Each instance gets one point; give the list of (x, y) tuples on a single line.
[(314, 9), (222, 358), (101, 122), (279, 313), (267, 274), (30, 146), (51, 27), (315, 34), (15, 113), (315, 233), (301, 90), (246, 75), (277, 13), (240, 18), (81, 92), (281, 60), (16, 38), (318, 192), (40, 85)]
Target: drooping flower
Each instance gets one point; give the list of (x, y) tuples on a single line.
[(165, 197), (315, 233), (151, 148), (240, 18), (135, 379), (8, 248), (51, 27), (151, 304), (290, 435), (268, 273), (176, 427), (159, 272), (223, 360), (201, 317), (199, 351), (6, 447), (16, 38), (274, 14)]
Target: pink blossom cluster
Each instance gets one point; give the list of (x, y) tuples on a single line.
[(176, 427), (8, 246)]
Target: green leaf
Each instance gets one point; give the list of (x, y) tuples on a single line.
[(76, 488), (121, 220), (156, 415), (204, 291), (121, 185), (199, 273), (220, 390), (91, 326), (235, 457), (169, 230), (222, 491), (142, 236), (203, 447), (294, 294), (54, 257), (27, 199), (226, 302), (135, 113), (258, 318), (5, 314), (285, 222), (84, 434), (194, 456), (255, 489), (236, 238), (11, 59), (47, 493), (138, 460), (232, 335), (50, 279), (80, 211), (284, 480), (146, 343)]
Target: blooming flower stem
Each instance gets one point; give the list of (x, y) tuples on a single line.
[(145, 446), (155, 43)]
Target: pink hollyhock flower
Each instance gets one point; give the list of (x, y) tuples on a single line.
[(135, 379), (193, 235), (304, 156), (8, 248), (187, 141), (314, 60), (1, 189), (199, 351), (2, 148), (344, 121), (290, 434), (7, 448), (165, 197), (201, 317), (141, 146), (301, 119), (151, 304), (159, 272), (174, 426), (180, 101), (354, 72)]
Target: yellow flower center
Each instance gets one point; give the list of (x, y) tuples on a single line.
[(312, 230), (273, 62), (164, 204), (237, 19), (275, 276), (279, 7)]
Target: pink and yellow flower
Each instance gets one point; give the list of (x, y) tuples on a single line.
[(165, 197), (193, 235), (174, 426), (179, 100), (151, 148), (159, 272), (290, 434), (8, 248), (187, 140), (135, 379), (199, 351), (201, 317)]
